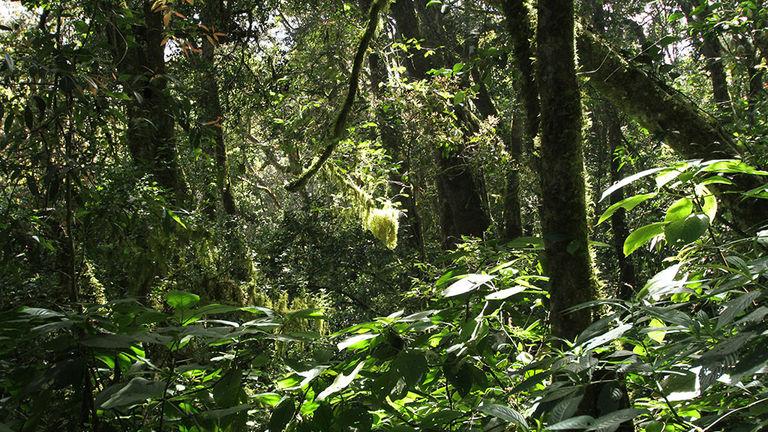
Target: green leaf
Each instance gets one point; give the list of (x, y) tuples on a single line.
[(615, 418), (466, 284), (580, 422), (341, 382), (506, 293), (266, 399), (641, 236), (679, 210), (226, 392), (607, 336), (621, 183), (282, 415), (411, 365), (181, 299), (505, 413), (310, 313), (686, 231), (662, 283), (626, 204), (176, 218), (676, 16), (136, 391), (657, 335), (357, 341), (733, 166)]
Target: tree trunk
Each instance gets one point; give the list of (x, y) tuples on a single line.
[(150, 135), (518, 22), (511, 134), (461, 208), (212, 116), (627, 274), (564, 211), (393, 141), (710, 48), (669, 115)]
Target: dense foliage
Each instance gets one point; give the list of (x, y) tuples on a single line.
[(383, 215)]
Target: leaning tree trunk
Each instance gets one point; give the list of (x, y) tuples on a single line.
[(668, 114)]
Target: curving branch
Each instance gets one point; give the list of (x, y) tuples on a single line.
[(340, 124)]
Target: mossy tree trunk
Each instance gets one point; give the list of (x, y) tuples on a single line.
[(150, 134), (212, 115), (462, 212), (564, 210), (668, 114)]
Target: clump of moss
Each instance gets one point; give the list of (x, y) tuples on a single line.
[(383, 223)]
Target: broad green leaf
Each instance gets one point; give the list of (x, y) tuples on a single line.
[(466, 284), (310, 313), (357, 341), (626, 204), (341, 382), (266, 399), (136, 391), (641, 236), (682, 387), (709, 201), (687, 230), (662, 283), (733, 167), (657, 335), (679, 210), (282, 415), (181, 299), (580, 422), (505, 413), (411, 365), (505, 293), (621, 183), (615, 418), (226, 392), (607, 336), (40, 312)]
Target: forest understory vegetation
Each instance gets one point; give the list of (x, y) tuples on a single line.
[(384, 215)]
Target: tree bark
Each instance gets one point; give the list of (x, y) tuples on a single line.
[(461, 208), (212, 116), (564, 211), (627, 275), (393, 141), (150, 135), (710, 48), (667, 114)]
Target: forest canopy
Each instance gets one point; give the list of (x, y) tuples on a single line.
[(384, 215)]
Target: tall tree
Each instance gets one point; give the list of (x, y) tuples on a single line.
[(212, 115), (139, 52), (564, 210), (708, 44), (461, 207)]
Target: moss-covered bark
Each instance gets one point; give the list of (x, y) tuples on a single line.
[(394, 143), (150, 134), (668, 114), (564, 211), (212, 116), (462, 212)]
